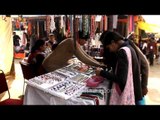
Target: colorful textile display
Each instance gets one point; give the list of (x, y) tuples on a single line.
[(80, 23), (115, 20), (71, 24), (105, 20), (85, 25), (52, 23), (92, 25)]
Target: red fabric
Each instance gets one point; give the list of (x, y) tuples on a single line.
[(97, 78), (3, 88), (92, 26), (12, 102), (135, 18), (19, 55), (123, 20), (17, 24), (130, 28), (29, 28), (94, 81)]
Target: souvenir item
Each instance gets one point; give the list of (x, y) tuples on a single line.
[(94, 81)]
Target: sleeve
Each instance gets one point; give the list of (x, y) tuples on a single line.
[(122, 69), (18, 37), (39, 59), (144, 72)]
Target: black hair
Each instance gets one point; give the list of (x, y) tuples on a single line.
[(108, 36), (37, 45)]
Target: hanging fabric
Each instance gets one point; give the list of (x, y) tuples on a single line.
[(89, 24), (64, 25), (17, 24), (110, 25), (68, 25), (52, 23), (85, 24), (66, 22), (24, 39), (130, 23), (105, 25), (29, 30), (92, 26), (115, 20), (61, 21), (76, 27), (71, 25), (80, 23), (101, 25), (133, 23)]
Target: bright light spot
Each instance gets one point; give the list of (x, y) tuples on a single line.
[(152, 19)]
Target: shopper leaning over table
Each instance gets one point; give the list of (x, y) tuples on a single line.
[(126, 72)]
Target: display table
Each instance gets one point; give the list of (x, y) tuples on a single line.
[(35, 96), (38, 93)]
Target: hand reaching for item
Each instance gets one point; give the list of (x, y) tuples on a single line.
[(98, 70)]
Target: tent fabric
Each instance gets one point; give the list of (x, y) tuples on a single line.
[(148, 27), (6, 46)]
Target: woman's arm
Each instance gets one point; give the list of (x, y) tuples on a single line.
[(120, 76)]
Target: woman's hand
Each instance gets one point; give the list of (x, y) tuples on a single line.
[(98, 70)]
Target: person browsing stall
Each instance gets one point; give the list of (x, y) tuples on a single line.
[(65, 51), (123, 92)]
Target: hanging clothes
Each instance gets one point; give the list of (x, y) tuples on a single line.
[(71, 24), (17, 24), (61, 22), (29, 30), (131, 23), (101, 25), (76, 27), (52, 23), (66, 22), (64, 25), (115, 21), (80, 23), (68, 25), (89, 24), (48, 22), (92, 26), (110, 25), (24, 39), (85, 25), (105, 21)]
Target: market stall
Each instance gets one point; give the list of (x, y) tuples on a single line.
[(70, 85)]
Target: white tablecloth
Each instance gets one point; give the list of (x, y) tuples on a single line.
[(35, 96)]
